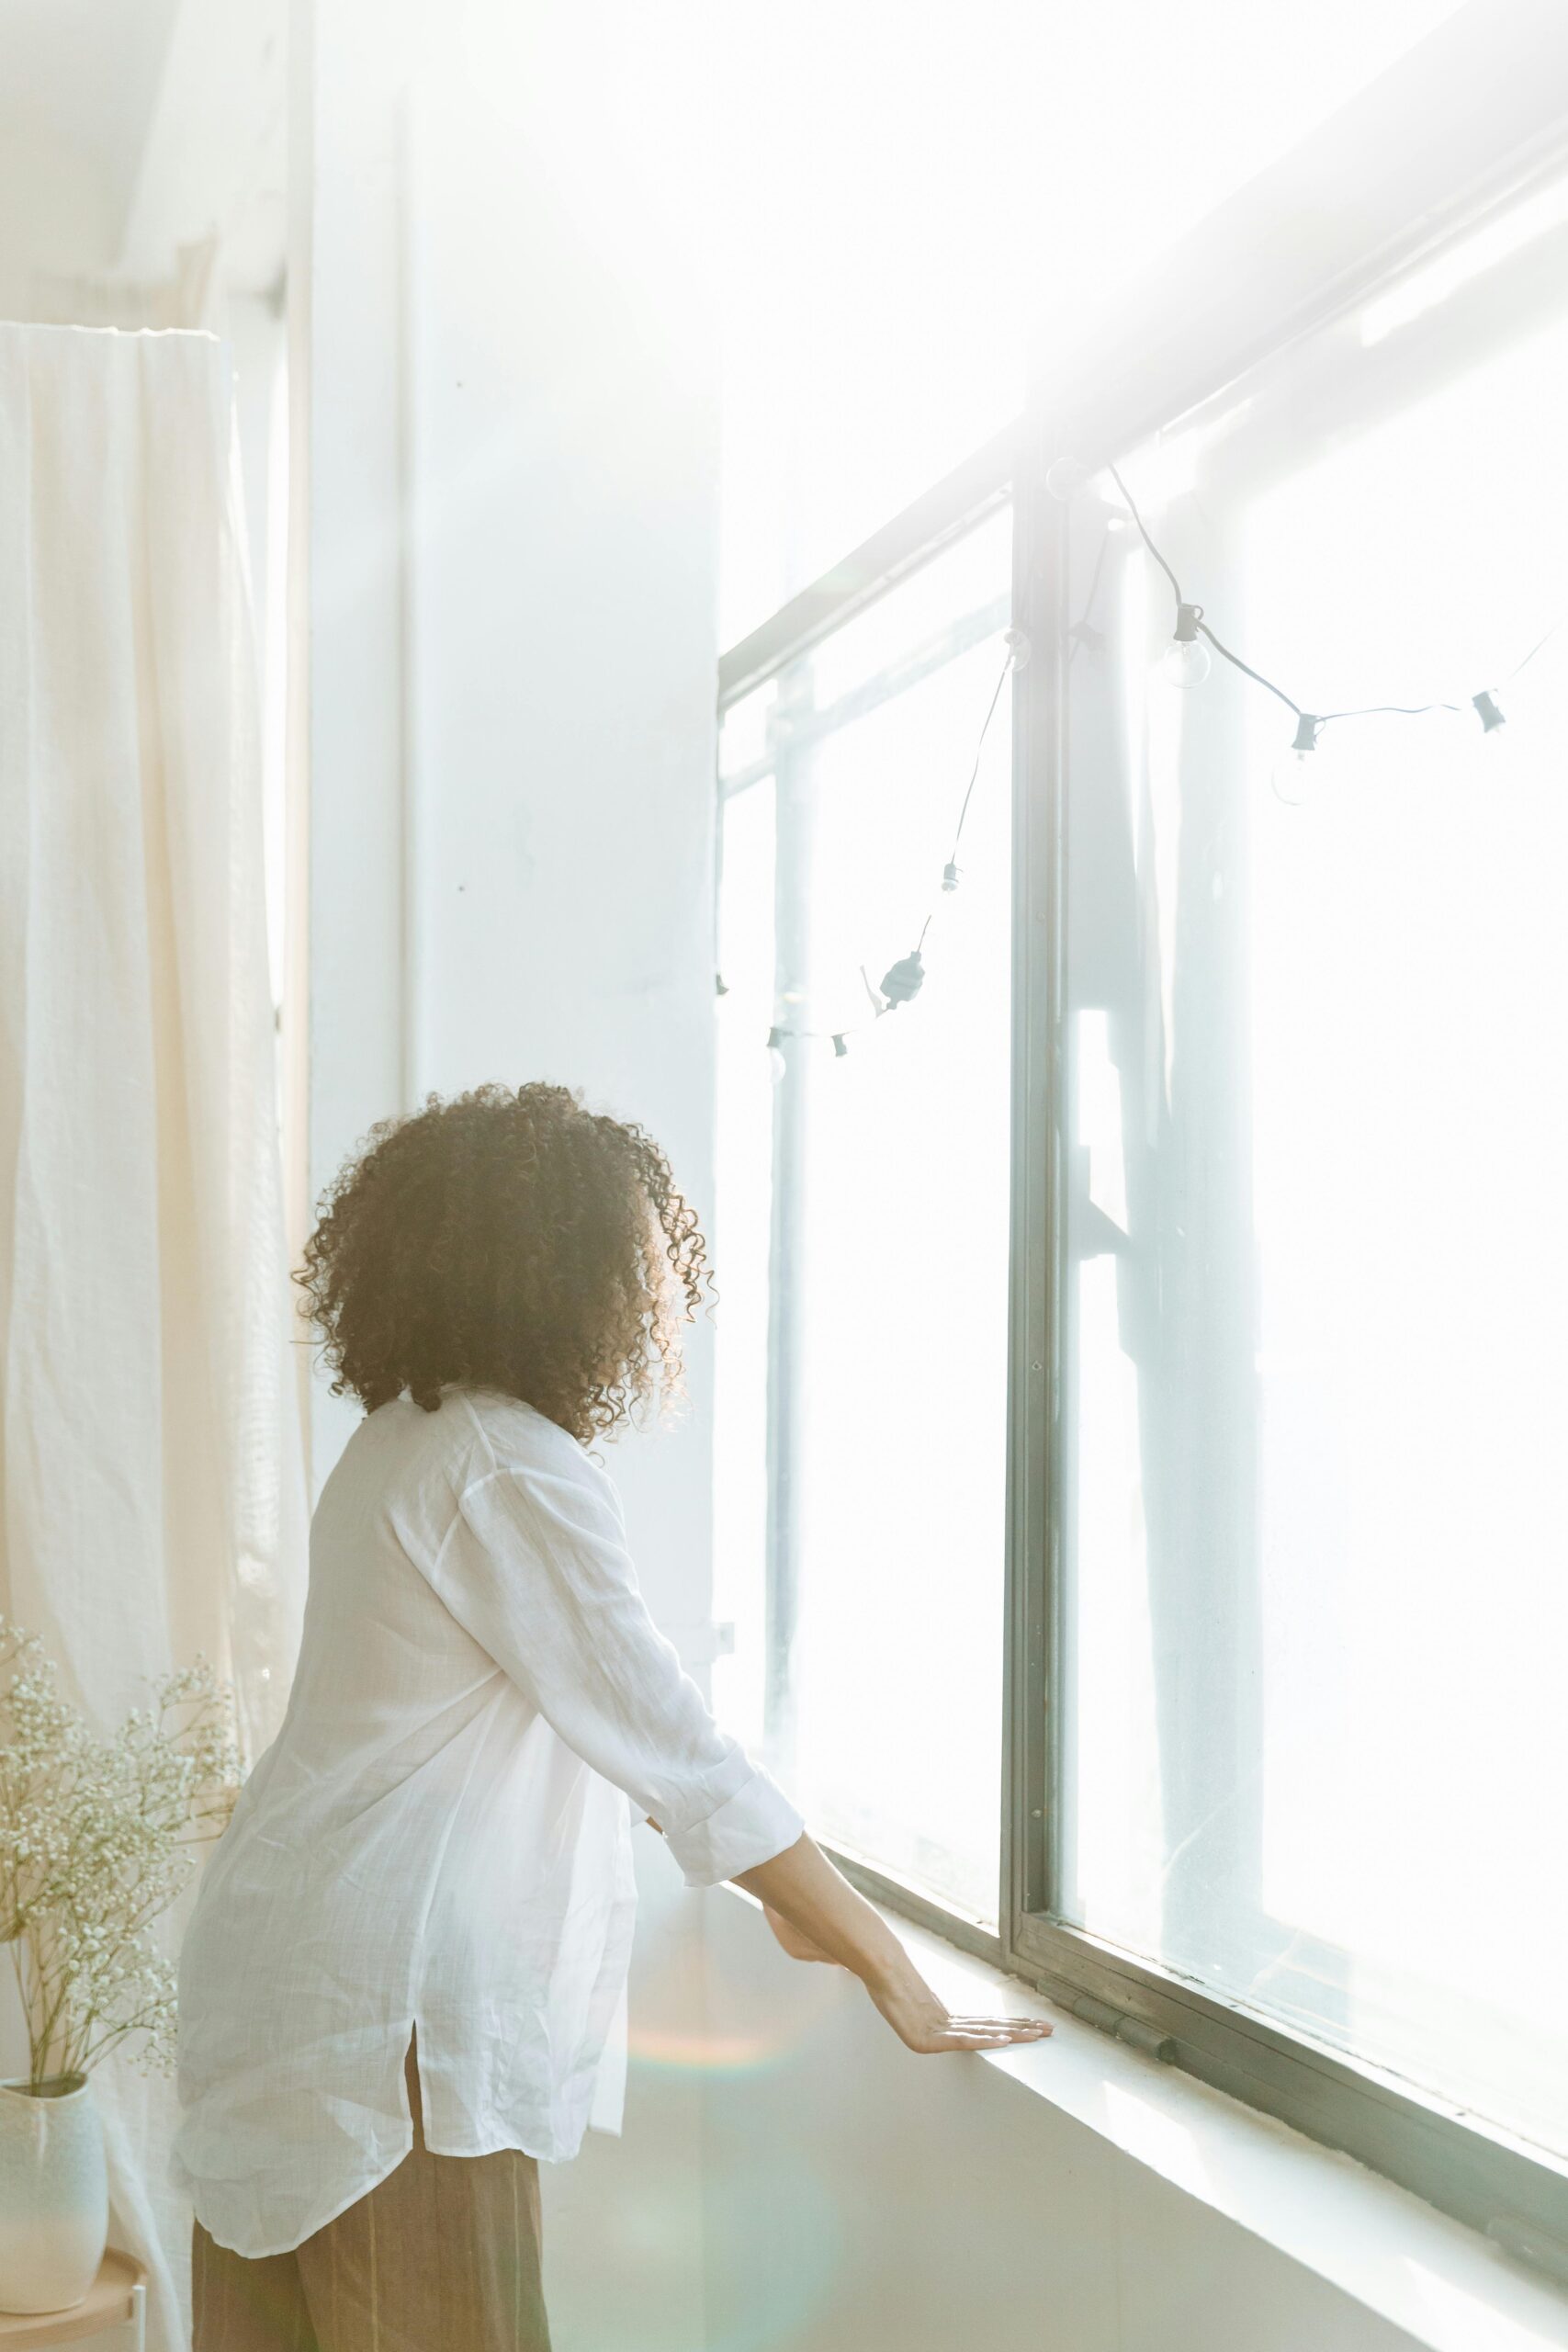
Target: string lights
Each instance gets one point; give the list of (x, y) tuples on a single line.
[(903, 981), (1186, 662)]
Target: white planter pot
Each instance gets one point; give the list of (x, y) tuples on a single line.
[(54, 2195)]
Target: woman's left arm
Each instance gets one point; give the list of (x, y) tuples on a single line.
[(799, 1946), (536, 1568)]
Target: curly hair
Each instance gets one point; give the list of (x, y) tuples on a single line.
[(511, 1240)]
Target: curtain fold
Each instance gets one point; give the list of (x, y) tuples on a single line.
[(150, 1445)]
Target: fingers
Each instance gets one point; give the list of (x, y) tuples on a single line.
[(970, 2041), (987, 2033), (1014, 2029), (1003, 2025)]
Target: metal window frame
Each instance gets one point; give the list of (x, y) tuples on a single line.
[(1456, 129)]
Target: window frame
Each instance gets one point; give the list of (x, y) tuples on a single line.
[(1426, 154)]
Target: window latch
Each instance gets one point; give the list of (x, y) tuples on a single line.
[(1117, 2023)]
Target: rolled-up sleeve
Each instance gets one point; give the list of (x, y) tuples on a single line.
[(536, 1568)]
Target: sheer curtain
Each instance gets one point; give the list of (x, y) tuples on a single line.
[(150, 1442)]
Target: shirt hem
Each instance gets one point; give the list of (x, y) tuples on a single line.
[(558, 2154), (291, 2245), (366, 2188)]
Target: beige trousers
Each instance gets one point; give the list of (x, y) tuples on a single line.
[(441, 2257)]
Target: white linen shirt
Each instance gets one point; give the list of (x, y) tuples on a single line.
[(438, 1837)]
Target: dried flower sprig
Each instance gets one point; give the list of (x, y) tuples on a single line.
[(96, 1839)]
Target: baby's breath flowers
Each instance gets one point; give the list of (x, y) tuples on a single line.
[(96, 1839)]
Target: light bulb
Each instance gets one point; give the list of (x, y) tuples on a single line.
[(778, 1068), (1065, 478), (1185, 661), (1493, 722), (1018, 647), (1291, 778), (1297, 769)]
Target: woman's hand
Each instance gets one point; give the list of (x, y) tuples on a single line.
[(816, 1915), (923, 2024)]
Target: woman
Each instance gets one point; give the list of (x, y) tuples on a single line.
[(410, 1947)]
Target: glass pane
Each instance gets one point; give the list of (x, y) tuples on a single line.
[(884, 1217), (907, 202), (1317, 1276)]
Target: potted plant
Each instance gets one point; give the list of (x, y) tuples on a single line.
[(96, 1843)]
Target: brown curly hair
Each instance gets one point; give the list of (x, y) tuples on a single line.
[(512, 1240)]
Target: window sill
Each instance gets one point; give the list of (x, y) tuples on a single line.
[(1445, 2285)]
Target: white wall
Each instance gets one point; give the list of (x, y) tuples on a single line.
[(55, 217), (563, 452), (514, 455), (214, 161), (346, 440), (512, 494)]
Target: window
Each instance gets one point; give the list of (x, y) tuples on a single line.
[(1157, 1328), (863, 1413), (1316, 1271)]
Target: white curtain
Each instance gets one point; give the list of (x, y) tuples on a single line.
[(150, 1442)]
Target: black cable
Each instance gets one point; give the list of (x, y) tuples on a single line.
[(1077, 632), (1320, 718), (1248, 671), (969, 788), (1387, 710), (980, 748), (1535, 649), (1144, 535), (1223, 650), (855, 1029)]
